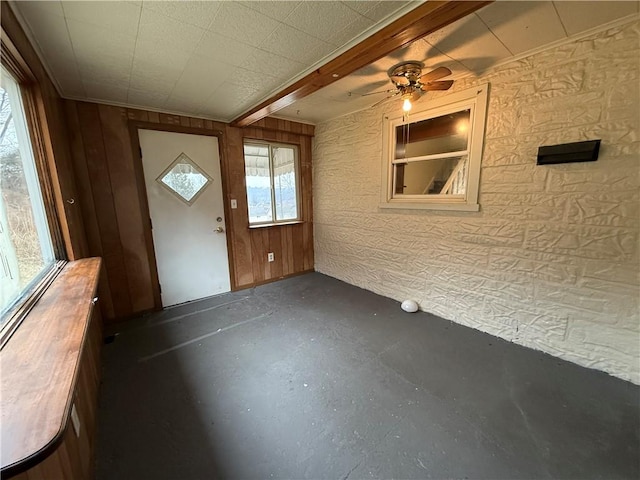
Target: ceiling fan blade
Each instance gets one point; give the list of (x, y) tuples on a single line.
[(376, 93), (436, 74), (443, 85), (384, 99), (416, 95), (400, 80)]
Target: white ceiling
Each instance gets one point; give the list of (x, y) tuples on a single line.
[(217, 59), (204, 58), (470, 46)]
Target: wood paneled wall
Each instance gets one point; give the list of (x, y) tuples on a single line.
[(74, 458), (115, 212), (55, 138), (292, 245), (102, 210)]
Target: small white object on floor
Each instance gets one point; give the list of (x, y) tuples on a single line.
[(410, 306)]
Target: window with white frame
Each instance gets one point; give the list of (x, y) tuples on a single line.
[(272, 181), (26, 247), (431, 160)]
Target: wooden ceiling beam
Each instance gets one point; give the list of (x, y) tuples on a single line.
[(423, 20)]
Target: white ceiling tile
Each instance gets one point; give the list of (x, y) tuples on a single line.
[(248, 102), (147, 76), (60, 58), (187, 105), (227, 95), (147, 98), (243, 78), (220, 106), (278, 10), (311, 111), (359, 103), (217, 48), (295, 45), (372, 89), (241, 93), (293, 111), (224, 113), (419, 50), (346, 90), (106, 92), (50, 31), (351, 31), (47, 23), (39, 9), (361, 6), (241, 23), (117, 17), (579, 16), (107, 73), (165, 32), (261, 62), (376, 11), (201, 78), (523, 26), (384, 9), (361, 77), (221, 58), (470, 42), (229, 101), (335, 17), (375, 72), (87, 39), (168, 58), (199, 13)]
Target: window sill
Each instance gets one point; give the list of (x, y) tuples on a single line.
[(460, 207), (277, 224), (40, 365), (25, 303)]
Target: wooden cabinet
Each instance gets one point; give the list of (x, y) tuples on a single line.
[(49, 386)]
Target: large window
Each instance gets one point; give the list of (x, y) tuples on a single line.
[(271, 171), (26, 249), (432, 158)]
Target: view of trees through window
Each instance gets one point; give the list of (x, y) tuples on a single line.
[(271, 179), (25, 245), (184, 178)]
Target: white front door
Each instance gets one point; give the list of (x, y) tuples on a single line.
[(184, 188)]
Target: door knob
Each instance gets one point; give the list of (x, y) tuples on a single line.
[(219, 230)]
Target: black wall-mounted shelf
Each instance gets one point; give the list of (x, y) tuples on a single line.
[(569, 152)]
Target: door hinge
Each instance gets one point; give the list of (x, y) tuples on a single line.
[(140, 149), (150, 223), (160, 288)]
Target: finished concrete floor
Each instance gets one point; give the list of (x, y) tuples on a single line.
[(313, 378)]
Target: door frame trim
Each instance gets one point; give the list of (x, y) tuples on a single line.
[(134, 126)]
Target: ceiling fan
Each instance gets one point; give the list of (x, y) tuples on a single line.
[(410, 83)]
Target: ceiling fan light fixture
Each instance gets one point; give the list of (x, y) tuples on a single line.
[(408, 94), (410, 83)]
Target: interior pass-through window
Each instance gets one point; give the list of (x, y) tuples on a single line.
[(432, 158)]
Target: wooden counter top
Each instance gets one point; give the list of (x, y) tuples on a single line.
[(40, 364)]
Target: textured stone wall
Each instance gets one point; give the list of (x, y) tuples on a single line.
[(552, 259)]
